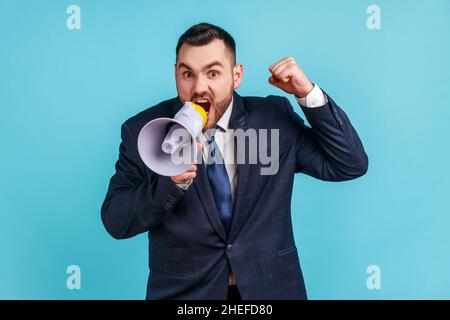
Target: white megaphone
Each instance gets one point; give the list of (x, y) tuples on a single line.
[(168, 146)]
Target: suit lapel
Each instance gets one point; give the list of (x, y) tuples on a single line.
[(238, 120), (204, 192), (202, 186)]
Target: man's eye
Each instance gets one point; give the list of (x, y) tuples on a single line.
[(187, 74), (213, 74)]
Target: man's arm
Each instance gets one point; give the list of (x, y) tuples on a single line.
[(136, 201), (331, 150)]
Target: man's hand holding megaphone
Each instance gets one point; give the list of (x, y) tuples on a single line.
[(191, 173)]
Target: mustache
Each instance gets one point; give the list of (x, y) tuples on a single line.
[(207, 97)]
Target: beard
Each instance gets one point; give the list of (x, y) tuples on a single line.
[(217, 110)]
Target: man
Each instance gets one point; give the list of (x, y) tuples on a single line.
[(225, 231)]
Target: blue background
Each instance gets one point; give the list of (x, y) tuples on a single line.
[(64, 95)]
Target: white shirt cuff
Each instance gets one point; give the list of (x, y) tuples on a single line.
[(316, 98), (185, 186)]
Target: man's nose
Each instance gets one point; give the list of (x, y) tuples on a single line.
[(201, 85)]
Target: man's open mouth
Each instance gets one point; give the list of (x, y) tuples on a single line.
[(204, 103)]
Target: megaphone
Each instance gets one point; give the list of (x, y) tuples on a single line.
[(168, 146)]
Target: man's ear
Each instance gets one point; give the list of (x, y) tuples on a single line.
[(238, 73)]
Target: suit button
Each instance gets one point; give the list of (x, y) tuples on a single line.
[(229, 247)]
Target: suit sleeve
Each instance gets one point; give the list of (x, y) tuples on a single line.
[(330, 150), (137, 199)]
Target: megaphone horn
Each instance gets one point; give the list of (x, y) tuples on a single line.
[(168, 146)]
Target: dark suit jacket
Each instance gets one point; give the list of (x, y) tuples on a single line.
[(190, 256)]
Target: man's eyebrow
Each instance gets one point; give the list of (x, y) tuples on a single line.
[(212, 64), (182, 64)]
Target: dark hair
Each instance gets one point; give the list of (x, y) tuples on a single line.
[(203, 33)]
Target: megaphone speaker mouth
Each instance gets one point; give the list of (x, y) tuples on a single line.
[(168, 146), (151, 141)]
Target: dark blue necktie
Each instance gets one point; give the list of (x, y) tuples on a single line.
[(220, 185)]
